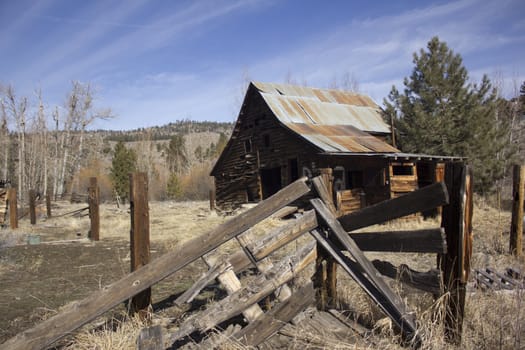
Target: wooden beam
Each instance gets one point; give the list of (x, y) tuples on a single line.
[(94, 211), (247, 296), (13, 208), (426, 281), (325, 278), (422, 199), (390, 302), (257, 332), (518, 198), (323, 187), (417, 241), (139, 236), (281, 236), (390, 307), (79, 313), (455, 265), (232, 284), (201, 283)]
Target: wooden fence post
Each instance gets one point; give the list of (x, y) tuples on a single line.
[(455, 265), (518, 197), (139, 237), (325, 278), (212, 200), (48, 205), (94, 213), (32, 206), (13, 208)]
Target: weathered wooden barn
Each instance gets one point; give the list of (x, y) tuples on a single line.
[(284, 132)]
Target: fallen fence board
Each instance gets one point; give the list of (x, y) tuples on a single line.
[(202, 282), (263, 328), (423, 199), (282, 235), (258, 289), (425, 281), (381, 293), (356, 272), (418, 241), (79, 313)]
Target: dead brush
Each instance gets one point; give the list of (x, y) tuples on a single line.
[(118, 333)]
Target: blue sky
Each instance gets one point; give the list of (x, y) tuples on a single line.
[(155, 61)]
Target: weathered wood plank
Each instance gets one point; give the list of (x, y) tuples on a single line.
[(423, 199), (425, 281), (457, 258), (381, 293), (139, 236), (282, 235), (79, 313), (288, 210), (322, 190), (232, 284), (417, 241), (258, 289), (151, 338), (383, 301), (201, 283), (260, 330)]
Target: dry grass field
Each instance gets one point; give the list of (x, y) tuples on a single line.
[(36, 280)]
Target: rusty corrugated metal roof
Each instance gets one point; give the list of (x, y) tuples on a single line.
[(333, 120)]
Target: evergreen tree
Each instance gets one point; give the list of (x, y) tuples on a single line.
[(174, 187), (123, 163), (177, 157), (441, 113), (199, 154)]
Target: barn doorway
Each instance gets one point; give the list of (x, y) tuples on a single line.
[(270, 181)]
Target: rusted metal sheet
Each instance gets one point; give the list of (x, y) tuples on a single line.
[(340, 138), (322, 106)]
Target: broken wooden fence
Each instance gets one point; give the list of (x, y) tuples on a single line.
[(331, 234)]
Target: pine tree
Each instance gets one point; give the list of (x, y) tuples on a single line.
[(441, 113), (174, 187), (123, 163), (176, 155)]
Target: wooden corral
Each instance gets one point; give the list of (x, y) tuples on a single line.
[(284, 132), (333, 244)]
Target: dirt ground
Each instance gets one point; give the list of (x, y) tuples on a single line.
[(36, 280)]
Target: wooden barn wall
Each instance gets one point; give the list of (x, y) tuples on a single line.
[(259, 141)]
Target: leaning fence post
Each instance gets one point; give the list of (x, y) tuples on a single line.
[(139, 236), (32, 206), (13, 208), (94, 212), (212, 200), (48, 205), (518, 197), (325, 278), (455, 265)]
